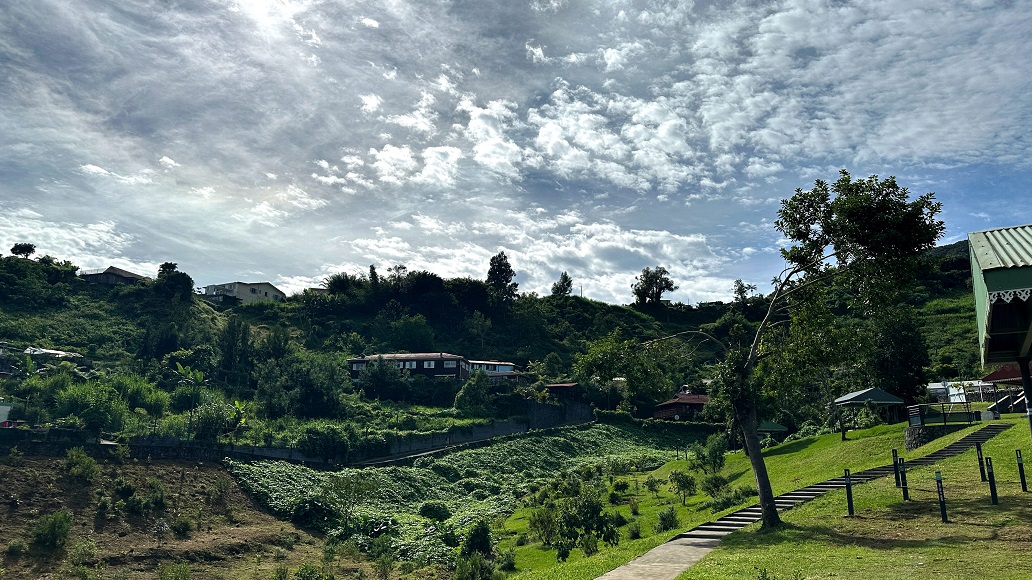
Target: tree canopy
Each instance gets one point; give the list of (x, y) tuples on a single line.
[(864, 235), (500, 277), (649, 287), (23, 249), (563, 286)]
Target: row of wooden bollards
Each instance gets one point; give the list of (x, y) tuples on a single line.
[(899, 468)]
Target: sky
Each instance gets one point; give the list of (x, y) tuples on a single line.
[(287, 140)]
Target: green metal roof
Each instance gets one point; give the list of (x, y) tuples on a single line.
[(1001, 274), (1002, 248)]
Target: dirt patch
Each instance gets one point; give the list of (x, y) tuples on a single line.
[(131, 518)]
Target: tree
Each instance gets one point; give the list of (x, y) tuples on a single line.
[(648, 371), (865, 235), (478, 325), (472, 399), (173, 283), (382, 378), (563, 287), (344, 491), (499, 279), (683, 484), (649, 287), (23, 249)]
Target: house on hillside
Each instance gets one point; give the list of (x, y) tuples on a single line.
[(683, 407), (564, 391), (244, 292), (112, 276), (498, 371), (429, 364)]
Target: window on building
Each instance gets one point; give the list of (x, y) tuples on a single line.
[(449, 364), (428, 364), (358, 366), (399, 365), (411, 364), (254, 290)]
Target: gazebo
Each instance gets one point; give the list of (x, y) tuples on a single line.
[(1001, 276), (873, 396)]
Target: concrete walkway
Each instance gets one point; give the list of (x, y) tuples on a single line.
[(664, 562), (668, 561)]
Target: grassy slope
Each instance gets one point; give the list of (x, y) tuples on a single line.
[(889, 538), (791, 466)]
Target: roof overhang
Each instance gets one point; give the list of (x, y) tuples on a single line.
[(868, 396), (1001, 277)]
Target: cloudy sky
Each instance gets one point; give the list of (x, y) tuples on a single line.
[(285, 140)]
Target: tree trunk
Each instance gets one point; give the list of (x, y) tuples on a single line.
[(749, 423)]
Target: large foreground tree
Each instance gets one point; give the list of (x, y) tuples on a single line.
[(864, 235)]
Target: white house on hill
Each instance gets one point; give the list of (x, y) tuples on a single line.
[(245, 292)]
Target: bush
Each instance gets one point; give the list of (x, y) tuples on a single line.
[(83, 551), (51, 530), (177, 571), (633, 531), (15, 549), (667, 520), (633, 504), (731, 497), (715, 484), (621, 486), (182, 526), (507, 559), (589, 544), (478, 540), (308, 571), (614, 498), (80, 465), (619, 520), (435, 510)]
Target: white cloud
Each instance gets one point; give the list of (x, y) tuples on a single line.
[(370, 23), (370, 103), (394, 164), (168, 162)]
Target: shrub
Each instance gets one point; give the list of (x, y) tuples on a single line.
[(383, 566), (177, 571), (621, 486), (633, 504), (714, 484), (308, 571), (182, 526), (507, 559), (16, 548), (614, 498), (521, 539), (435, 510), (619, 520), (280, 572), (80, 465), (475, 567), (478, 540), (83, 551), (633, 531), (15, 458), (731, 497), (667, 520), (589, 544), (51, 530)]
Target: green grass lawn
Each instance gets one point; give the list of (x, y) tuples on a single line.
[(889, 538)]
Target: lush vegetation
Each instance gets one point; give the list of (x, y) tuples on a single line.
[(159, 361)]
